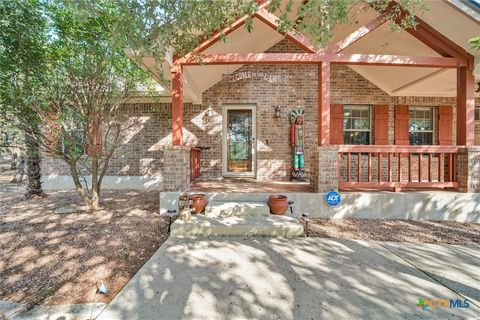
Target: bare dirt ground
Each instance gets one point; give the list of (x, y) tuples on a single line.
[(52, 258), (440, 232)]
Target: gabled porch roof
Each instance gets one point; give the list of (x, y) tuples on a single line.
[(448, 19)]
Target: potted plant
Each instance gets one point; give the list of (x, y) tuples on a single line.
[(199, 202), (278, 204)]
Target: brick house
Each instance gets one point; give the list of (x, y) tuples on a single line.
[(403, 100)]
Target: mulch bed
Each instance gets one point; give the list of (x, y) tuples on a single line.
[(440, 232), (53, 258)]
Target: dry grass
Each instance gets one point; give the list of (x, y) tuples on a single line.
[(50, 258), (440, 232)]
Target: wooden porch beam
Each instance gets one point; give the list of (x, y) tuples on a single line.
[(177, 105), (207, 43), (438, 42), (323, 121), (299, 39), (315, 58), (465, 107), (393, 60), (357, 34)]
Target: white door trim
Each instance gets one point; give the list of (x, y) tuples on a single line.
[(225, 108)]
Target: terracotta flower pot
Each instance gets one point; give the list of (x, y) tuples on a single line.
[(199, 202), (278, 204)]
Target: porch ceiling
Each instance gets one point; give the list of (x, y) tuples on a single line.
[(239, 41), (397, 81)]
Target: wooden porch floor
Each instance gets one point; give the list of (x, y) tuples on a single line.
[(248, 185), (276, 186)]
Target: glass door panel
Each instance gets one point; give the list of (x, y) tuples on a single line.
[(239, 141)]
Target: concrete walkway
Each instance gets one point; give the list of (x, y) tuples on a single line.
[(303, 278)]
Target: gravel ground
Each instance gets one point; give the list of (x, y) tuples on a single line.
[(440, 232), (52, 258)]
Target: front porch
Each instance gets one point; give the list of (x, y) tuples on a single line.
[(248, 185), (361, 168), (243, 185), (440, 156), (429, 181)]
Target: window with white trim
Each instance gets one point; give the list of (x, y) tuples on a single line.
[(421, 126), (357, 124)]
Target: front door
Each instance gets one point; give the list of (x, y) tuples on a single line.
[(239, 143)]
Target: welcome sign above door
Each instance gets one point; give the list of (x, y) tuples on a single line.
[(252, 74)]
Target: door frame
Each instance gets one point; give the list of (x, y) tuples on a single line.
[(225, 108)]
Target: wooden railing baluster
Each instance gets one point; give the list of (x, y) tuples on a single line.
[(409, 167), (399, 176), (389, 167), (340, 158), (369, 167), (450, 167), (419, 167), (429, 167), (454, 165), (348, 166), (379, 165), (359, 166), (375, 151)]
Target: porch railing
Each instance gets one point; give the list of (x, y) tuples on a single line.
[(194, 163), (397, 166)]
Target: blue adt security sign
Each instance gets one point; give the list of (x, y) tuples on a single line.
[(333, 198)]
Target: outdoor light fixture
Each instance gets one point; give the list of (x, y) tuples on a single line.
[(277, 112), (209, 111), (171, 213)]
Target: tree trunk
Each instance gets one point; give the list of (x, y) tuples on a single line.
[(33, 166), (94, 160), (14, 162), (95, 200), (15, 154), (80, 189), (20, 171)]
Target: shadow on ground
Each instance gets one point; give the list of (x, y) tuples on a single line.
[(264, 278)]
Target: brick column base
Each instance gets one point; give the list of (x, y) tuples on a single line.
[(324, 169), (176, 168), (468, 169)]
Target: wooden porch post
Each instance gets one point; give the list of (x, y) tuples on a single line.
[(324, 103), (465, 107), (177, 105)]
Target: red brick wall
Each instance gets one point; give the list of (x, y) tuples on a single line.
[(297, 87), (142, 155)]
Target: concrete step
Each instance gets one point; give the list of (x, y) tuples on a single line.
[(271, 225), (236, 208)]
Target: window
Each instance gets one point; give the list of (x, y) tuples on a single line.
[(477, 113), (421, 125), (356, 124)]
